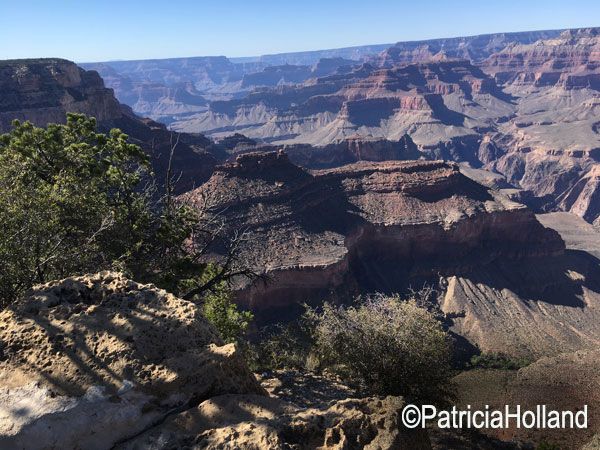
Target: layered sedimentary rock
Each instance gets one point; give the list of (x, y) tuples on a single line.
[(155, 88), (472, 48), (350, 150), (440, 101), (173, 89), (570, 60), (529, 111), (551, 146), (89, 361), (367, 227), (44, 90), (345, 151)]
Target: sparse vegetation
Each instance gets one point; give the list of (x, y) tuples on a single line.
[(282, 346), (387, 345), (497, 361), (73, 200), (223, 313)]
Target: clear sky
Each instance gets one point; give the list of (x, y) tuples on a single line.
[(90, 30)]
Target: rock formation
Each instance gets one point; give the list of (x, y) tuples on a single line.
[(44, 90), (472, 48), (550, 148), (173, 88), (249, 422), (368, 227), (102, 362), (528, 111), (421, 100), (89, 361)]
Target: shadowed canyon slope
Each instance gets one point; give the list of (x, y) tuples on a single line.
[(368, 227)]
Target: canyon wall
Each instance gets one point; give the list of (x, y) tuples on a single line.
[(385, 227)]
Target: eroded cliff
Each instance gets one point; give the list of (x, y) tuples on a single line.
[(368, 227)]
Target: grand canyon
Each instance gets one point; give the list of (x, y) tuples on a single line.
[(468, 165)]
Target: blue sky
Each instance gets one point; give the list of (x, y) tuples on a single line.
[(88, 30)]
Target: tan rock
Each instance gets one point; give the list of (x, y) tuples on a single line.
[(91, 360), (252, 422)]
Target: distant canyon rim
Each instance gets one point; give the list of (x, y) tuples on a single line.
[(523, 105)]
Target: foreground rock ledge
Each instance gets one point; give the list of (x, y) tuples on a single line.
[(90, 361), (257, 422), (99, 361)]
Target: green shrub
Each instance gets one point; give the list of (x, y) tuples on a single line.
[(498, 361), (223, 313), (73, 200), (282, 346), (389, 346)]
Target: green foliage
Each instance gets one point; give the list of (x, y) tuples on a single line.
[(73, 200), (545, 445), (389, 346), (67, 202), (497, 361), (283, 346), (218, 308)]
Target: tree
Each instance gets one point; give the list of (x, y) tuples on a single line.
[(389, 346), (220, 310), (73, 200), (67, 201)]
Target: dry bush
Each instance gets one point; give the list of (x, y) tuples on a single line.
[(389, 346)]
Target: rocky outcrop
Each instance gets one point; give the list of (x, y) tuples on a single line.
[(550, 146), (365, 227), (472, 48), (44, 90), (252, 422), (351, 150), (569, 61), (89, 361)]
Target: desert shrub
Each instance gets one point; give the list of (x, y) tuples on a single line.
[(389, 346), (545, 445), (73, 200), (282, 346), (67, 202), (223, 313), (497, 361)]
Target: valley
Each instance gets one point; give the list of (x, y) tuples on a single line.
[(459, 174)]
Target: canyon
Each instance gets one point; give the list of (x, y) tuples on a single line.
[(371, 227), (470, 165), (528, 111)]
